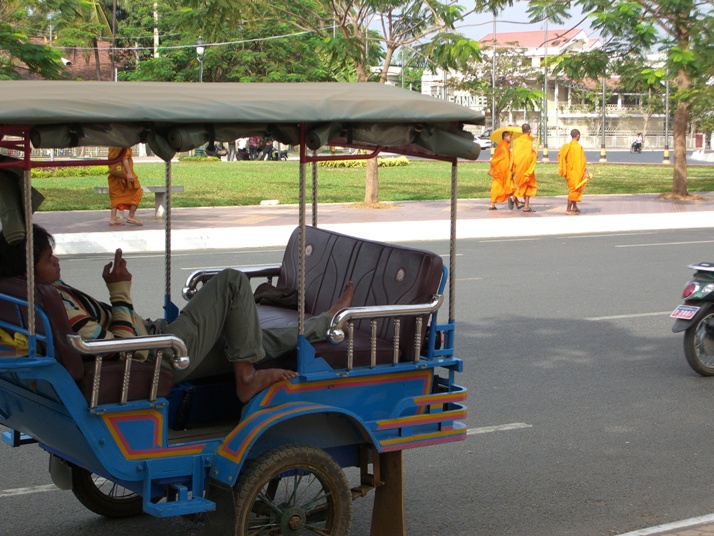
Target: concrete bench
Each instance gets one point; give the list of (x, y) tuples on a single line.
[(158, 191)]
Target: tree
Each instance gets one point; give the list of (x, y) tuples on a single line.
[(680, 29), (635, 79), (243, 45), (17, 52), (514, 82), (366, 35)]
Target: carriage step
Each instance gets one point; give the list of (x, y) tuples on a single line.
[(16, 439), (181, 507)]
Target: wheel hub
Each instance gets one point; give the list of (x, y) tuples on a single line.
[(293, 520)]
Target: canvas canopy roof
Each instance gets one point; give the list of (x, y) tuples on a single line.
[(173, 117)]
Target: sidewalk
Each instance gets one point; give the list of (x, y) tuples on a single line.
[(81, 232)]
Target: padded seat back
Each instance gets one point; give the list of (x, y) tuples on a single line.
[(383, 274), (46, 297), (81, 369)]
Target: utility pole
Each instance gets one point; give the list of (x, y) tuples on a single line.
[(156, 29), (545, 93)]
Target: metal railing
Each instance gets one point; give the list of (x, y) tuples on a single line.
[(346, 317), (200, 277), (98, 348)]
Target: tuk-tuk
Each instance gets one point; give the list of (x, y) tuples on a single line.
[(126, 438)]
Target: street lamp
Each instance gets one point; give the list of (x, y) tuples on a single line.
[(200, 51), (493, 82)]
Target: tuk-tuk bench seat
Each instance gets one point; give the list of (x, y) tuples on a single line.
[(82, 369), (383, 274)]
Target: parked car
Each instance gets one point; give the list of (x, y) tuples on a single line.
[(482, 139)]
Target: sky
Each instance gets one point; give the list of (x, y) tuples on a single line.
[(514, 19)]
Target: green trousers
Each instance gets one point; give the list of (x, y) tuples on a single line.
[(220, 325)]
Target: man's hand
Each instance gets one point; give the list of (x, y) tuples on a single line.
[(116, 271)]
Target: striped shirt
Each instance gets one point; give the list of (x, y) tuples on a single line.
[(93, 319)]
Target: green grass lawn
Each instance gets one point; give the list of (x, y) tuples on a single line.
[(247, 183)]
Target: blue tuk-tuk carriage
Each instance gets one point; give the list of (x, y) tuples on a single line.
[(123, 436)]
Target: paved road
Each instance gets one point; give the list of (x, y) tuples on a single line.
[(584, 417)]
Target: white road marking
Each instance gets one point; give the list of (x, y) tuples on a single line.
[(665, 244), (512, 240), (660, 529), (26, 491), (620, 317), (608, 235), (498, 428)]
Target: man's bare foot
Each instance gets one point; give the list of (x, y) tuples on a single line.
[(249, 381), (345, 299)]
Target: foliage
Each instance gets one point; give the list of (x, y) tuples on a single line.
[(381, 162), (365, 36), (680, 29), (74, 171), (514, 80), (199, 159), (242, 44), (19, 55)]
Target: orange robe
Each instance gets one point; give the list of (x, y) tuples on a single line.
[(571, 165), (123, 193), (502, 183), (524, 162)]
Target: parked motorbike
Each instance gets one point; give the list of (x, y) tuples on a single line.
[(279, 155), (695, 317), (636, 147)]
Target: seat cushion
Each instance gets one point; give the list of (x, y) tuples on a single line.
[(46, 297)]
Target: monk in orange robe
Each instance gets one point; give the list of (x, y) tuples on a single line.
[(572, 166), (124, 189), (524, 162), (501, 172)]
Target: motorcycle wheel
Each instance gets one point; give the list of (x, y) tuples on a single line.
[(103, 496), (699, 348), (293, 489)]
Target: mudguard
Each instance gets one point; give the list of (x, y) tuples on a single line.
[(232, 454), (681, 325)]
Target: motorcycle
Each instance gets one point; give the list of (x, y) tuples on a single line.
[(695, 317), (636, 147), (279, 155)]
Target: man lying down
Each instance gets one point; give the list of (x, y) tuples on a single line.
[(219, 326)]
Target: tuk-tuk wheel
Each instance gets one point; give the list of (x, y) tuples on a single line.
[(103, 496), (291, 490)]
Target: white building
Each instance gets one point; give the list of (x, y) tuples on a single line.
[(624, 117)]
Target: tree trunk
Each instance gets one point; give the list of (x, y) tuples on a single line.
[(371, 183), (96, 58), (679, 180), (371, 189), (681, 116)]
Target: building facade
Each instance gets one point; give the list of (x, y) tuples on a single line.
[(568, 104)]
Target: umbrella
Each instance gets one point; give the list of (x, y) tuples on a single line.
[(497, 135)]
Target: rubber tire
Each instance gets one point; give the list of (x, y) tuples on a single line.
[(690, 351), (105, 501), (260, 476)]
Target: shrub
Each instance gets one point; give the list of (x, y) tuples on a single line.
[(199, 159), (82, 171), (381, 162)]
